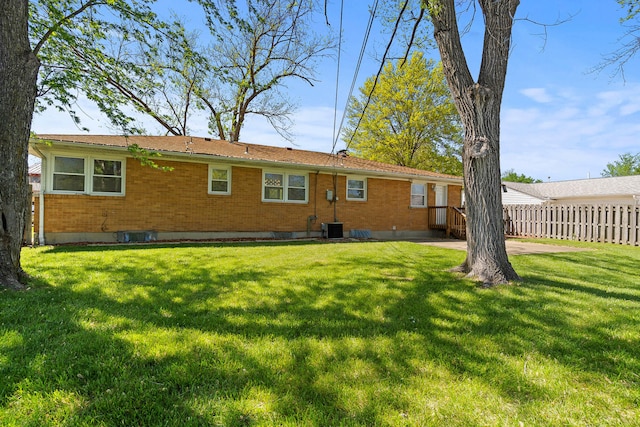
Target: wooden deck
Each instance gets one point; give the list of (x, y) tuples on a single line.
[(450, 219)]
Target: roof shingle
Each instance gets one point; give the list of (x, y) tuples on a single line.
[(593, 187), (208, 147)]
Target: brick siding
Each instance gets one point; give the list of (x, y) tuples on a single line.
[(178, 201)]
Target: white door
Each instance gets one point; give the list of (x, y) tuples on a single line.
[(441, 200)]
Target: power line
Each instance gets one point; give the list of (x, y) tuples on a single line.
[(375, 82), (335, 103), (356, 72)]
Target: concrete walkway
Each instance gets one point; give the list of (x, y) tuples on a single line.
[(514, 247)]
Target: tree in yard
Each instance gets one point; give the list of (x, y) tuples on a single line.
[(478, 103), (19, 67), (627, 164), (18, 73), (409, 119), (510, 175), (85, 48), (255, 47), (255, 53)]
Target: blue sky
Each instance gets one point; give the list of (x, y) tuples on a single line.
[(559, 120)]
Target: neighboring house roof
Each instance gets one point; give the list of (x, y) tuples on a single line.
[(241, 152), (627, 186), (35, 169)]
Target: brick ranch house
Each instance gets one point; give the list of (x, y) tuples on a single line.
[(94, 190)]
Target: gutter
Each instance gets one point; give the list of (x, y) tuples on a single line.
[(330, 169)]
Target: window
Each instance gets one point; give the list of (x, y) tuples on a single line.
[(219, 180), (356, 188), (87, 175), (107, 176), (284, 187), (297, 188), (68, 174), (418, 195), (273, 186)]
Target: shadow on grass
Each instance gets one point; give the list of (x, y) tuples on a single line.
[(207, 338)]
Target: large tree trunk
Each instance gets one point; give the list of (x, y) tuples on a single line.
[(18, 75), (479, 108)]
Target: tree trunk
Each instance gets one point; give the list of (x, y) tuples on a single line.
[(18, 76), (479, 107)]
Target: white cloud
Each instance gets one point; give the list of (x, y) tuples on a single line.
[(572, 137), (537, 94)]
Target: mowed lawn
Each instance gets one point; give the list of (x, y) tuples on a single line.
[(318, 334)]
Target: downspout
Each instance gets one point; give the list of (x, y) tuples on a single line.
[(43, 174), (335, 197), (312, 218)]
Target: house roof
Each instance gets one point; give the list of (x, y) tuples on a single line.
[(35, 169), (241, 152), (593, 187)]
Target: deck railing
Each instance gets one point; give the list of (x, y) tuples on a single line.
[(450, 219)]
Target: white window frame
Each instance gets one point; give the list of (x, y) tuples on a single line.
[(88, 173), (285, 186), (83, 174), (425, 188), (364, 188), (210, 182), (92, 175)]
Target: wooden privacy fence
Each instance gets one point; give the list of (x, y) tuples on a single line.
[(587, 223)]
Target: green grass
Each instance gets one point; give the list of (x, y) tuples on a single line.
[(318, 334)]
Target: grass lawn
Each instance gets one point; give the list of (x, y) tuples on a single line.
[(318, 334)]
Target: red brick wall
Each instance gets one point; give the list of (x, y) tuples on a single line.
[(178, 201)]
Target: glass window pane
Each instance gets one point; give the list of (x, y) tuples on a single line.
[(417, 200), (355, 194), (68, 165), (356, 183), (296, 194), (68, 182), (103, 184), (219, 174), (219, 186), (297, 181), (107, 167), (273, 180), (273, 193), (417, 189)]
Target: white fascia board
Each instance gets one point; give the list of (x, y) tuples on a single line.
[(209, 158)]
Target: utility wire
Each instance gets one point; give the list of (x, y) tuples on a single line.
[(335, 103), (363, 49), (375, 82)]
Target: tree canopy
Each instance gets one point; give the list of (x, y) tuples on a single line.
[(627, 164), (235, 66), (407, 117), (511, 175)]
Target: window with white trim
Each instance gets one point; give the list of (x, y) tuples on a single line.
[(219, 179), (87, 175), (68, 174), (278, 186), (356, 188), (418, 195), (107, 176)]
